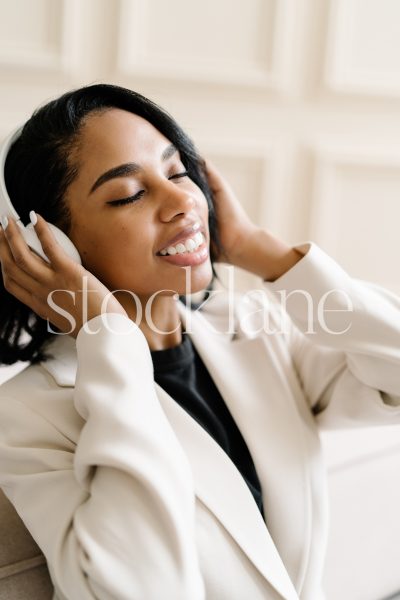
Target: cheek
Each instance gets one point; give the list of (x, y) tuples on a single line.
[(95, 247), (112, 249)]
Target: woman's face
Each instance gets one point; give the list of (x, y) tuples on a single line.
[(121, 156)]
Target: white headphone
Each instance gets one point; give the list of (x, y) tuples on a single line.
[(28, 232)]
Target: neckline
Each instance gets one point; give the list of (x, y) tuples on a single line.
[(177, 356)]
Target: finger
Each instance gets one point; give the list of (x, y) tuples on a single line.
[(52, 249), (37, 302), (23, 294), (209, 166), (11, 272), (214, 177), (23, 257), (6, 255), (2, 239), (21, 285)]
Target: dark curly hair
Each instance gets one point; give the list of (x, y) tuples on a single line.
[(38, 171)]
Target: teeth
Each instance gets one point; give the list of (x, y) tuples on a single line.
[(180, 248), (190, 245)]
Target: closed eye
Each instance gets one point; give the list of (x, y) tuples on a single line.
[(127, 200), (137, 196), (177, 175)]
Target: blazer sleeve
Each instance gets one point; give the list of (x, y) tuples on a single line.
[(114, 514), (344, 339)]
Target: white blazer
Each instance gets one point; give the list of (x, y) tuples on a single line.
[(129, 498)]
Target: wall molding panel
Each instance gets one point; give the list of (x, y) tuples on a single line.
[(355, 191), (266, 65), (363, 48), (57, 23)]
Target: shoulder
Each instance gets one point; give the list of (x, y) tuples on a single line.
[(26, 382), (33, 402)]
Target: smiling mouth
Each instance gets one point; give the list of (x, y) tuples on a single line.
[(196, 257), (187, 246)]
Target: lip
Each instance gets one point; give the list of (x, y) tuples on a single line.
[(183, 235)]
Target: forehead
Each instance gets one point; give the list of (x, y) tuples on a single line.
[(120, 135)]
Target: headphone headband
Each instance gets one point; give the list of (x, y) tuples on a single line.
[(6, 207), (28, 232)]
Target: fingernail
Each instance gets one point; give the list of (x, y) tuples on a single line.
[(4, 222), (33, 217)]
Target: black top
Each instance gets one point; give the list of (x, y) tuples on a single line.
[(183, 375)]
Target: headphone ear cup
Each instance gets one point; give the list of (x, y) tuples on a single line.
[(65, 243), (33, 242), (31, 238)]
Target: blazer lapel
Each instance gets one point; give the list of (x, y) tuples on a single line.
[(255, 388), (220, 486)]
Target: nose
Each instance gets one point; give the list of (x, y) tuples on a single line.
[(175, 201)]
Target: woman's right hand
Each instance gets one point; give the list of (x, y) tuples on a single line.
[(31, 279)]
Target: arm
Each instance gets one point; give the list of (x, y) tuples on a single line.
[(114, 515), (349, 379)]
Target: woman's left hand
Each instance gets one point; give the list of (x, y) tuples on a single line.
[(234, 225), (246, 245)]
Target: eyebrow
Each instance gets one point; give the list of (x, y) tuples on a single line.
[(129, 169)]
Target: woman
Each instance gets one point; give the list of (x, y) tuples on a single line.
[(159, 450)]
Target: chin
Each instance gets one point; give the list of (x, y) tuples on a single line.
[(200, 279)]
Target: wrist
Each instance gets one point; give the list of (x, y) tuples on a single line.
[(266, 256)]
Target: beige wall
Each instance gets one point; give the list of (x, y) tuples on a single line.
[(297, 100)]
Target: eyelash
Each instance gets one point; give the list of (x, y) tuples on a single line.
[(137, 196)]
